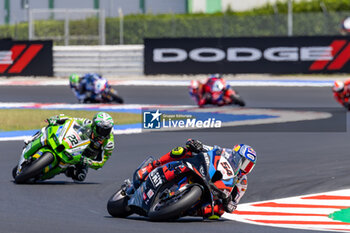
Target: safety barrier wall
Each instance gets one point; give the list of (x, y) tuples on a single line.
[(106, 60), (274, 55), (25, 58)]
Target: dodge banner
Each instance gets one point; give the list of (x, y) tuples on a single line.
[(275, 55), (26, 58)]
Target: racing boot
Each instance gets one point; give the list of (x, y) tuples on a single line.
[(208, 212), (77, 172), (241, 188)]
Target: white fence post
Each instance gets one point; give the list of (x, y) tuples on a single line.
[(290, 17), (121, 26), (66, 28), (102, 27), (30, 25)]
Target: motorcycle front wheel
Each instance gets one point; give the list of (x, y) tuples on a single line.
[(117, 205), (35, 168), (175, 206)]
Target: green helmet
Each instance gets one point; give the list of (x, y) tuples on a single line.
[(102, 124), (74, 79)]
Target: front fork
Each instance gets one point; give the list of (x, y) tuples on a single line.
[(32, 145), (34, 149)]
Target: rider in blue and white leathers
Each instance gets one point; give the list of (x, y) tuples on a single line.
[(84, 87)]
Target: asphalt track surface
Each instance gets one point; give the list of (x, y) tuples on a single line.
[(289, 164)]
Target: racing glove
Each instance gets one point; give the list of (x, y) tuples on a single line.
[(92, 151), (58, 119), (194, 145), (143, 172)]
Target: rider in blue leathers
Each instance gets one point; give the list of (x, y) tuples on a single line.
[(84, 87)]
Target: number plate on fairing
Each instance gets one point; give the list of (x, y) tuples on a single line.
[(225, 168), (75, 135), (72, 138)]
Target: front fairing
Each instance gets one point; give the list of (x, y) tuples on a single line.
[(100, 86), (219, 163), (30, 148), (68, 140), (145, 194)]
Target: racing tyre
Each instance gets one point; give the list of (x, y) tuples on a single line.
[(14, 172), (35, 168), (176, 205), (115, 97), (236, 99), (117, 205)]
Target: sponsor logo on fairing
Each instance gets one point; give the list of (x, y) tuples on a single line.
[(150, 193), (155, 178)]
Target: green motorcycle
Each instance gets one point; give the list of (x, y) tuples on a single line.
[(51, 151)]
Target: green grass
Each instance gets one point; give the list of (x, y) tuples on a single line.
[(29, 119)]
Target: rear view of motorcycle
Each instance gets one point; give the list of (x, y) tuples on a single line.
[(235, 97), (105, 93), (176, 189)]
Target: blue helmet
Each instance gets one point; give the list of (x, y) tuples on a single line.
[(248, 156)]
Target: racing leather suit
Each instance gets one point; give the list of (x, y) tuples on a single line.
[(204, 93), (94, 156), (229, 205), (344, 96), (85, 90)]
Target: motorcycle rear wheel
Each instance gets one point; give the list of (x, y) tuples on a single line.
[(115, 97), (174, 209), (236, 99), (35, 168), (117, 205)]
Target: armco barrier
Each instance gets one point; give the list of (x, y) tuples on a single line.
[(105, 60)]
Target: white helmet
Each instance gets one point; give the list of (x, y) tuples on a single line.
[(338, 86)]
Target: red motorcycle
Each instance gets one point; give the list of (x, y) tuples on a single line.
[(216, 92)]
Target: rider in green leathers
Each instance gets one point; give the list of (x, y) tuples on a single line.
[(94, 156)]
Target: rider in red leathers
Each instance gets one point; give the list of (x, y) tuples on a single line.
[(341, 92), (209, 91), (191, 149)]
